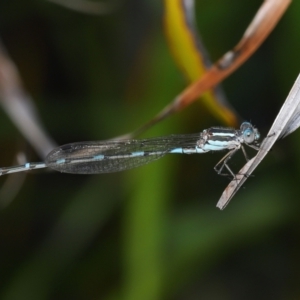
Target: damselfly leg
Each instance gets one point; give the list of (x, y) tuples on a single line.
[(219, 167)]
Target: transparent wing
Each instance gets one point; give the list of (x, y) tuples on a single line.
[(112, 156)]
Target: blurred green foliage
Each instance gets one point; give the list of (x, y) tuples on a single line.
[(154, 232)]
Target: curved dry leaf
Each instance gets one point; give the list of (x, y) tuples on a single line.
[(261, 26), (191, 56)]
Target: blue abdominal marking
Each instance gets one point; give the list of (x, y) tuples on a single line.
[(138, 153), (99, 157), (177, 150)]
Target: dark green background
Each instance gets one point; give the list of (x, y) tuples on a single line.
[(153, 232)]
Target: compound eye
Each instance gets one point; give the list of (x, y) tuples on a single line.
[(249, 136), (245, 125)]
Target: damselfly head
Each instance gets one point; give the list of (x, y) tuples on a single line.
[(249, 133)]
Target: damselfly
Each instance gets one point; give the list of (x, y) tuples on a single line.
[(113, 156)]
